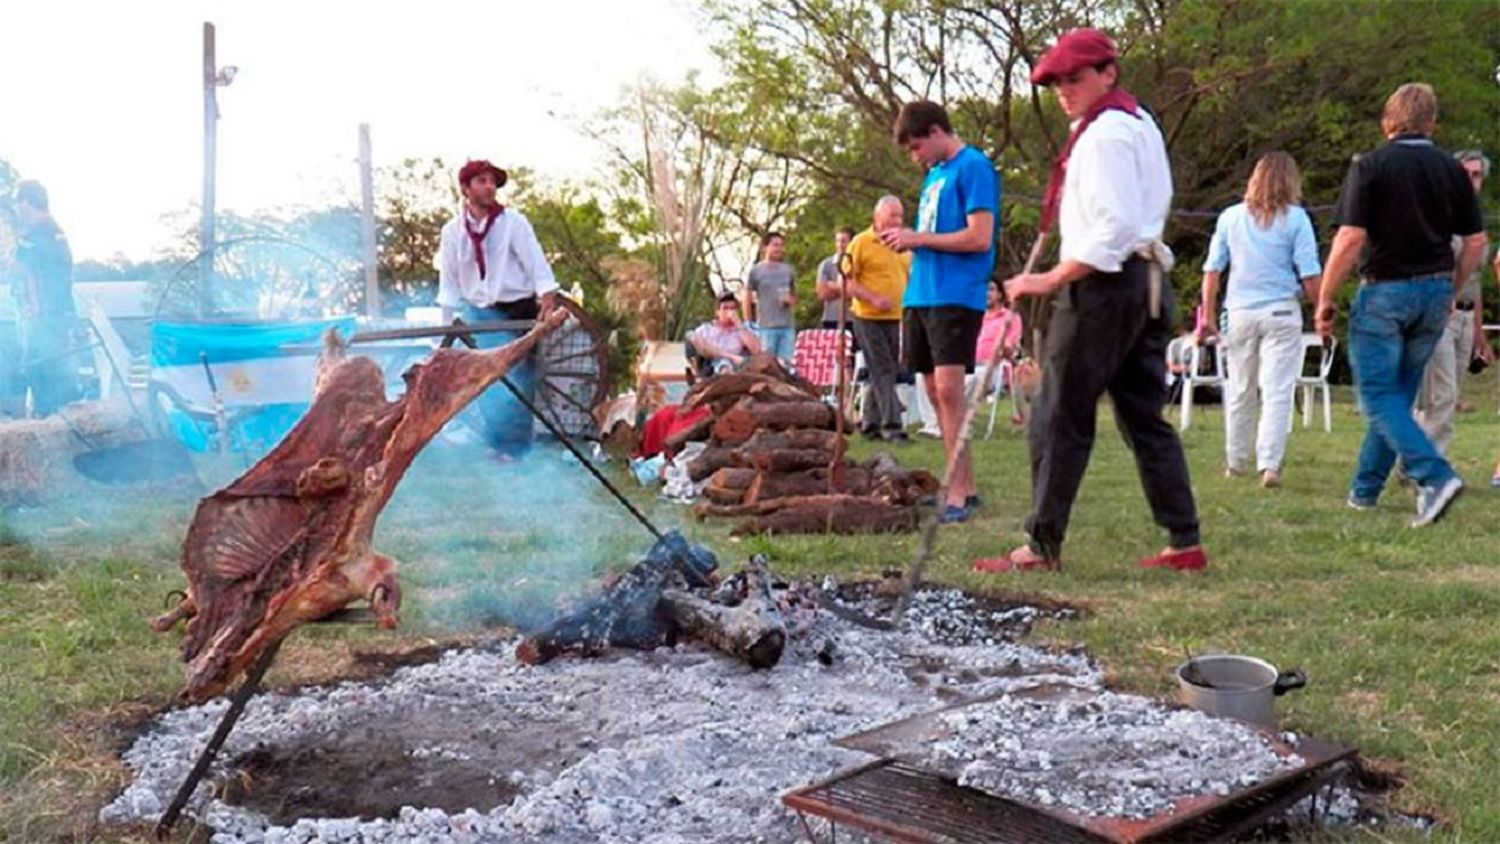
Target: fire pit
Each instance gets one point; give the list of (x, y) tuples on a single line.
[(680, 741), (677, 743)]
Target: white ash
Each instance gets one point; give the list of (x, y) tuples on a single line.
[(1110, 754), (674, 745)]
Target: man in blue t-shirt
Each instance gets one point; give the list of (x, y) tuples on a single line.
[(953, 248)]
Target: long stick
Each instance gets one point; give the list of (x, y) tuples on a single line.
[(587, 464), (242, 696), (836, 468), (965, 432)]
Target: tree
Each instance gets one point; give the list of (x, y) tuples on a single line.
[(1228, 81)]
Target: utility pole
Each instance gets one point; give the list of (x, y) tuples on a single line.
[(206, 233), (367, 222)]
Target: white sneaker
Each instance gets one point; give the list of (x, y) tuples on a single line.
[(1433, 501), (935, 433)]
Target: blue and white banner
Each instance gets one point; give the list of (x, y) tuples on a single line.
[(264, 386)]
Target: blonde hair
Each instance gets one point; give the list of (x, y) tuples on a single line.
[(1410, 109), (1274, 185)]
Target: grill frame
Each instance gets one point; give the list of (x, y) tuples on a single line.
[(906, 803)]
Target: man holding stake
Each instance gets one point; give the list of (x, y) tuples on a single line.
[(1110, 190)]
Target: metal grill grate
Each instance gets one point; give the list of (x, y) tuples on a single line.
[(904, 803)]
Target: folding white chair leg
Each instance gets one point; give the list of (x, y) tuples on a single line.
[(994, 401), (1307, 403), (1327, 409), (1187, 404)]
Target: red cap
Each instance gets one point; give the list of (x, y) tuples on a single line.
[(475, 168), (1074, 51)]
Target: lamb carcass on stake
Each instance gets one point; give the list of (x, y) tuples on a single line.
[(289, 541)]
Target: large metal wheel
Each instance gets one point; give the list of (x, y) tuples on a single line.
[(573, 372)]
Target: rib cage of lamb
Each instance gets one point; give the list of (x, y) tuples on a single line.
[(289, 541)]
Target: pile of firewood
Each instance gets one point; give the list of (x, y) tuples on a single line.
[(775, 458)]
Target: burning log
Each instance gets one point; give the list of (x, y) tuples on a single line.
[(739, 423), (625, 614), (752, 630), (655, 603)]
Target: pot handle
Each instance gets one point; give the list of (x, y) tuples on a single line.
[(1288, 680)]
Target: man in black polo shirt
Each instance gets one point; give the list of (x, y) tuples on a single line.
[(1402, 203)]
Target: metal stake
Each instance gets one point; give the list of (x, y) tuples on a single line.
[(242, 696)]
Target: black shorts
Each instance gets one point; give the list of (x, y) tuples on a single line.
[(944, 335)]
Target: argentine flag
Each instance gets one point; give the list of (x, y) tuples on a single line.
[(265, 386)]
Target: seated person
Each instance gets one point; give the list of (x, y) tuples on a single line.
[(1001, 326), (723, 344)]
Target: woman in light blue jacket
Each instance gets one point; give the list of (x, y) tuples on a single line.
[(1267, 244)]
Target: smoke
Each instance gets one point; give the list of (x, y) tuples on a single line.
[(484, 542), (480, 542)]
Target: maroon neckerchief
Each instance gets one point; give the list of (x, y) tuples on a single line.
[(477, 237), (1117, 99)]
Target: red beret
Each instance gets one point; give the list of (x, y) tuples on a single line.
[(1074, 51), (478, 166)]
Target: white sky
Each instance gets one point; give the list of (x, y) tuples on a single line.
[(102, 101)]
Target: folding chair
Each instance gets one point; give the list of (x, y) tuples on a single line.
[(815, 355), (1317, 381)]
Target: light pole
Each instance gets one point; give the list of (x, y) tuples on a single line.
[(213, 77)]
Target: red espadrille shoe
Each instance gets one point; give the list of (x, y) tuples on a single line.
[(1021, 559), (1181, 559)]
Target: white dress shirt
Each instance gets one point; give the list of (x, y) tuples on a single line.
[(1117, 191), (515, 267)]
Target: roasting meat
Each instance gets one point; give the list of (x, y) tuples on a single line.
[(289, 541)]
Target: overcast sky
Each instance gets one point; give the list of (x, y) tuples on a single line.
[(103, 100)]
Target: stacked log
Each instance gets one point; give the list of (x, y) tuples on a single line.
[(773, 458)]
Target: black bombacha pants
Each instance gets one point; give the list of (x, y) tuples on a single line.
[(1103, 340)]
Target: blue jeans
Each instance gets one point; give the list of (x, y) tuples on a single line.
[(507, 423), (781, 342), (1392, 331)]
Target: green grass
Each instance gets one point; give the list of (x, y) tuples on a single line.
[(1395, 627)]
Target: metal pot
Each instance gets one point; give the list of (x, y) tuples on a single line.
[(1235, 686)]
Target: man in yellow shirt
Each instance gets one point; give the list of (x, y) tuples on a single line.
[(877, 281)]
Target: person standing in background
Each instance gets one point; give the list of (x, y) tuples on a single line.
[(771, 298), (1463, 334), (877, 281), (44, 288), (1400, 206), (828, 288), (1267, 241)]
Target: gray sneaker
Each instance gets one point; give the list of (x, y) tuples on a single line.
[(1433, 501), (1360, 503)]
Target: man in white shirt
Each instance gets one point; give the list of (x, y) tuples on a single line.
[(490, 267), (1110, 190)]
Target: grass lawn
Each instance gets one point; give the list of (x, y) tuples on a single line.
[(1396, 628)]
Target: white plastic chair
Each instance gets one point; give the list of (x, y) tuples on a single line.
[(1195, 377), (1004, 383), (1319, 381)]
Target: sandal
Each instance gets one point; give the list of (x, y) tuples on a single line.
[(1181, 559), (1021, 559)]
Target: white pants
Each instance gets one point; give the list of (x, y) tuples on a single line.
[(1440, 383), (1264, 351)]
